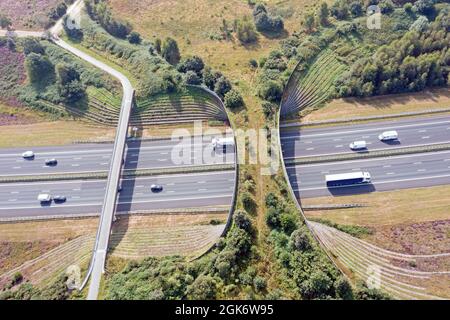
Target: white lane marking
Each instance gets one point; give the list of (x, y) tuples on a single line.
[(162, 160), (171, 184), (12, 200), (202, 189), (390, 173), (79, 158), (14, 192), (426, 137), (421, 170), (337, 139), (307, 142), (309, 149), (104, 163), (423, 131), (201, 182), (383, 182), (164, 153), (171, 191), (418, 162), (140, 186), (387, 166), (323, 172), (75, 165), (445, 160), (339, 146), (134, 161), (76, 189), (365, 137), (17, 167)]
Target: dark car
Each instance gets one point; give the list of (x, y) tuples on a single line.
[(51, 162), (119, 188), (156, 188), (59, 199)]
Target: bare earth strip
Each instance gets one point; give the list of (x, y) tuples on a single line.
[(381, 105)]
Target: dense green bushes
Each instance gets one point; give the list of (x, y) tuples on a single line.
[(99, 11), (419, 59)]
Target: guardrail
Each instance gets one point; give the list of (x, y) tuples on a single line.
[(359, 119)]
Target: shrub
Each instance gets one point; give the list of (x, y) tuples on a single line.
[(203, 288), (193, 63), (271, 91), (273, 218), (39, 68), (300, 239), (248, 202), (268, 109), (134, 38), (356, 9), (343, 289), (245, 30), (222, 86), (259, 283), (271, 200), (253, 63), (170, 51), (233, 99), (31, 45), (192, 78), (288, 222), (265, 22), (241, 220), (5, 22)]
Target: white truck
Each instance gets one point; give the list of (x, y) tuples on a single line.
[(223, 143)]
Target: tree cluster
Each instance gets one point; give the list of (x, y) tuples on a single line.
[(265, 22)]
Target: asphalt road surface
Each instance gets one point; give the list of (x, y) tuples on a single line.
[(179, 191), (336, 139), (80, 158), (390, 173)]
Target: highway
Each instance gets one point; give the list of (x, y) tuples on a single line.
[(180, 191), (390, 173), (79, 158), (331, 140)]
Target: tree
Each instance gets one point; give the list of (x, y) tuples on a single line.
[(134, 37), (324, 13), (343, 289), (271, 91), (31, 45), (259, 283), (356, 9), (69, 84), (248, 202), (170, 51), (245, 30), (158, 45), (5, 22), (264, 22), (241, 220), (273, 218), (194, 63), (309, 22), (192, 78), (300, 239), (222, 86), (203, 288), (233, 99), (425, 7), (38, 67)]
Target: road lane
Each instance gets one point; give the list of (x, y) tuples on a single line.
[(180, 191), (336, 139), (96, 157), (390, 173)]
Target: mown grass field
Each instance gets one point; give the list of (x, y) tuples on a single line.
[(382, 105), (387, 208)]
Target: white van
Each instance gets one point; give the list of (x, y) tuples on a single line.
[(358, 145), (44, 197), (388, 135)]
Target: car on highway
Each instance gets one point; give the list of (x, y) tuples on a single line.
[(44, 198), (388, 135), (59, 199), (28, 155), (156, 188), (51, 162), (358, 145)]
